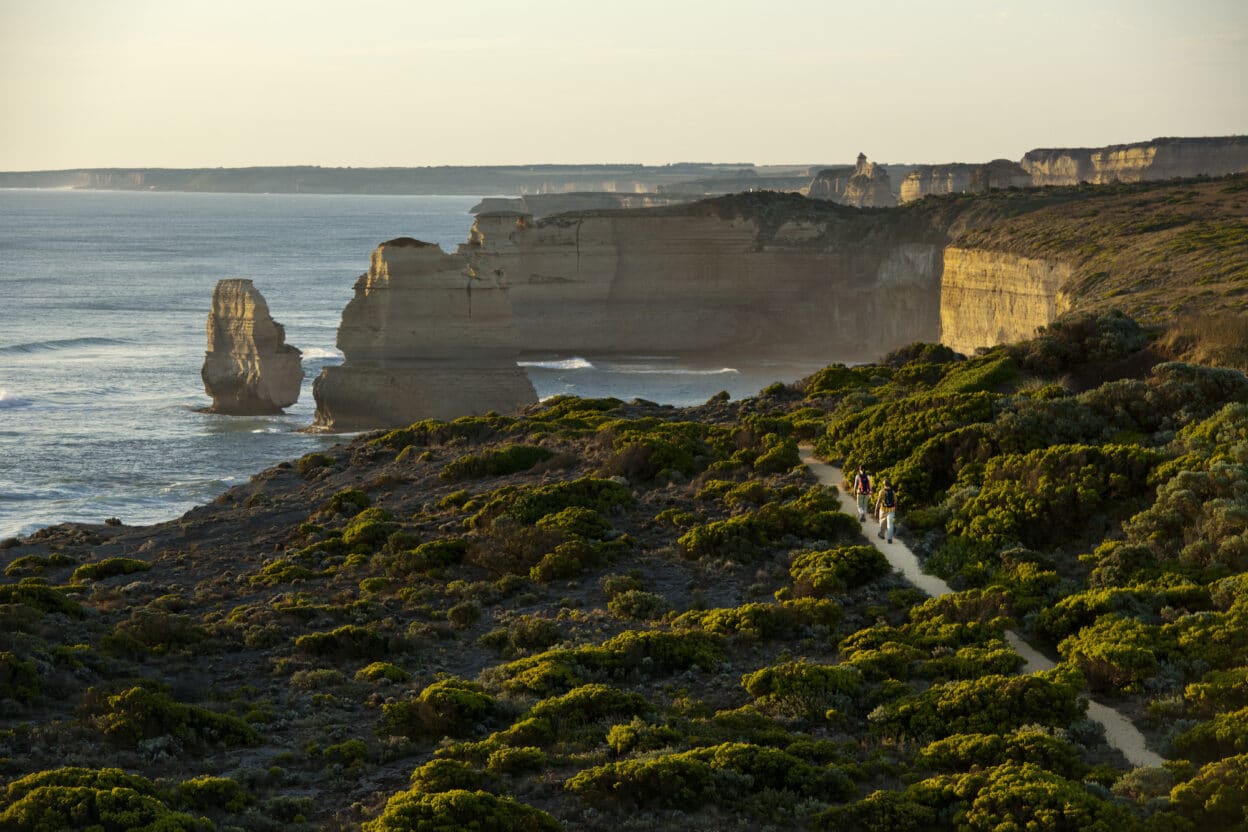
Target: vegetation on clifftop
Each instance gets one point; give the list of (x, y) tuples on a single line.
[(617, 616)]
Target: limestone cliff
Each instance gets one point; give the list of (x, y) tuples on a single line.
[(754, 275), (989, 298), (425, 336), (962, 178), (249, 368), (544, 205), (829, 183), (1164, 158)]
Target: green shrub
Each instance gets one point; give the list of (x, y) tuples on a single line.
[(589, 704), (802, 689), (568, 560), (837, 570), (639, 604), (350, 501), (382, 672), (1215, 798), (140, 713), (638, 735), (988, 704), (464, 614), (529, 504), (1115, 653), (157, 631), (447, 707), (643, 449), (1223, 736), (18, 679), (435, 554), (443, 775), (785, 620), (347, 753), (213, 794), (281, 571), (108, 568), (45, 599), (516, 760), (779, 458), (350, 641), (370, 528), (459, 809), (965, 752), (509, 459), (310, 463), (581, 522)]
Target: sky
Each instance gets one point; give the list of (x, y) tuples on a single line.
[(362, 83)]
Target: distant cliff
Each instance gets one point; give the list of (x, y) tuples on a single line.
[(1165, 158), (927, 180), (777, 277), (767, 275), (707, 178)]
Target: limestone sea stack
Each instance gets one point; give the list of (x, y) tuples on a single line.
[(249, 369), (425, 337)]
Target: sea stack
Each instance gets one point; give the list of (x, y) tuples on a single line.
[(249, 369), (869, 187), (424, 337)]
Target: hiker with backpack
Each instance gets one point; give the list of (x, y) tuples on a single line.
[(862, 493), (887, 508)]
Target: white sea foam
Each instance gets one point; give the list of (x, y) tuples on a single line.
[(8, 401), (318, 352), (574, 363), (675, 371)]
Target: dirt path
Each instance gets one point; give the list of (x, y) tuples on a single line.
[(1120, 732)]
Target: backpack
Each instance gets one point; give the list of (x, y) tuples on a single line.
[(862, 484), (889, 498)]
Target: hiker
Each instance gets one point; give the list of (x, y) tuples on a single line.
[(887, 508), (862, 493)]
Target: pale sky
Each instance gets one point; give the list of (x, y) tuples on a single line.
[(194, 83)]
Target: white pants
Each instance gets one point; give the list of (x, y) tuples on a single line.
[(887, 521), (864, 506)]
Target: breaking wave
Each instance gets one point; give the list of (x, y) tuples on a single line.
[(62, 344), (574, 363)]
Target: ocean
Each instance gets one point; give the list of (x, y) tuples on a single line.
[(104, 297)]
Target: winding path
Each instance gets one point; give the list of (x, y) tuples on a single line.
[(1120, 732)]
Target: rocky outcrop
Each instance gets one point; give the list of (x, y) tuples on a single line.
[(829, 183), (726, 277), (869, 187), (426, 336), (989, 298), (962, 178), (865, 185), (1143, 161), (249, 369)]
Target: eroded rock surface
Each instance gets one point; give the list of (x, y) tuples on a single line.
[(1138, 162), (249, 369), (424, 337)]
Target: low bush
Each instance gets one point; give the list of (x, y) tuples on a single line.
[(350, 641), (459, 809), (382, 672), (803, 689), (448, 707), (213, 794), (639, 604), (785, 620), (140, 713), (509, 459), (108, 568), (837, 570)]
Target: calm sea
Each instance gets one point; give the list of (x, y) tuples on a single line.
[(103, 302)]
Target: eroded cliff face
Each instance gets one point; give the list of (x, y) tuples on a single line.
[(867, 185), (961, 178), (249, 369), (989, 298), (1138, 162), (424, 337), (706, 280)]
